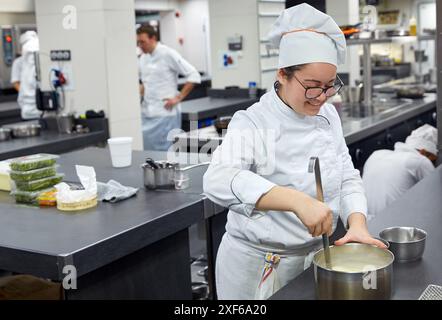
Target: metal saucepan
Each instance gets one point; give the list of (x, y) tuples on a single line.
[(407, 243), (358, 271), (161, 174), (5, 134), (65, 123), (352, 94)]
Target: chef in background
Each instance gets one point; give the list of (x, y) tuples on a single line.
[(18, 61), (260, 171), (16, 72), (28, 81), (159, 67), (388, 174)]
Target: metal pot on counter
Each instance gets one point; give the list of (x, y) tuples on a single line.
[(65, 123), (355, 272), (159, 174), (407, 243), (26, 130), (352, 94), (166, 174)]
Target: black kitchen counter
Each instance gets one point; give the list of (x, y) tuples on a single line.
[(53, 142), (209, 107), (354, 126), (419, 207), (9, 112), (108, 240)]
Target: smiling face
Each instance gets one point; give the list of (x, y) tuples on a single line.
[(292, 92)]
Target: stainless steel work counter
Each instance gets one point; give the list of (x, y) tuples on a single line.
[(358, 122), (136, 248)]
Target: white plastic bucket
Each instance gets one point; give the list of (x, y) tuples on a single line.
[(121, 151)]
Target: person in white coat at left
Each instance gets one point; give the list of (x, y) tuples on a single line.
[(16, 72), (17, 65), (260, 171), (28, 81)]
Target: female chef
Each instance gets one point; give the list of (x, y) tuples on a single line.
[(260, 172)]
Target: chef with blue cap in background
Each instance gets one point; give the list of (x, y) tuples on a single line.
[(260, 171)]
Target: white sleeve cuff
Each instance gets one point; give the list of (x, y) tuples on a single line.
[(194, 77), (351, 203), (248, 187)]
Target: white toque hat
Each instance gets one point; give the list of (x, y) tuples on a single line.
[(26, 36), (305, 35), (30, 46), (424, 137)]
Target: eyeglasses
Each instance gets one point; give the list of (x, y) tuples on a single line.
[(315, 92)]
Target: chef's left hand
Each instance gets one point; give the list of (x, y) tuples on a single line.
[(170, 103), (358, 232)]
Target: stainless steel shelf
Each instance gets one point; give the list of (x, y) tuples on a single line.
[(268, 15), (272, 55), (269, 69), (272, 1), (389, 40)]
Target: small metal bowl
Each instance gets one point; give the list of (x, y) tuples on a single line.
[(5, 134), (406, 243), (26, 130)]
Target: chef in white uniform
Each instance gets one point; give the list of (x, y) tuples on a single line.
[(16, 72), (28, 82), (18, 62), (159, 68), (388, 174), (260, 172)]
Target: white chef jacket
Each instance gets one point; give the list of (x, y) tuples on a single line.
[(159, 73), (28, 83), (250, 162), (16, 69), (388, 174)]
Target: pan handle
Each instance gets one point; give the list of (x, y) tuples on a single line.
[(194, 166)]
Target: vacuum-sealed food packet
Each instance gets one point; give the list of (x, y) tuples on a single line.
[(34, 161)]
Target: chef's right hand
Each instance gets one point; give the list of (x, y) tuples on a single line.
[(315, 215)]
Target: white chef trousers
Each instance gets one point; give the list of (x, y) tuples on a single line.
[(240, 267)]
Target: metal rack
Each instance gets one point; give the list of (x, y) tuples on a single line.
[(268, 11), (366, 62)]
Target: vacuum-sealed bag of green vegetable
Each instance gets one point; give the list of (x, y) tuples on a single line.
[(39, 184), (29, 197), (33, 174), (32, 162)]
